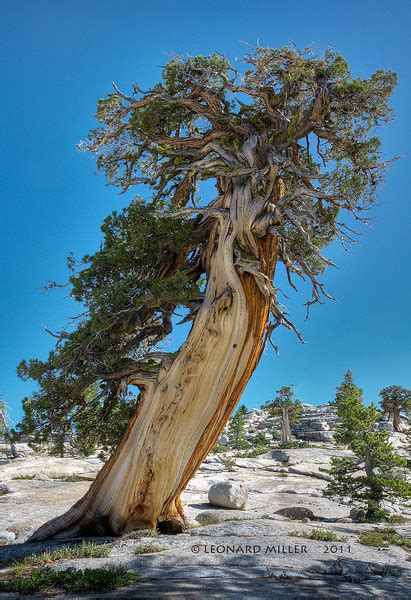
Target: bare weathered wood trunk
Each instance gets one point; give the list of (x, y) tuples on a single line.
[(181, 414), (396, 421), (285, 427)]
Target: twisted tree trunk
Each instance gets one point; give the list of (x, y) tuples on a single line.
[(182, 412)]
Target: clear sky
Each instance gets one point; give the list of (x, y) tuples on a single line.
[(59, 57)]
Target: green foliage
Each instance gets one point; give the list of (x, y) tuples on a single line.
[(285, 407), (148, 549), (396, 520), (284, 401), (83, 550), (320, 534), (384, 536), (235, 432), (376, 472), (70, 580), (276, 435), (218, 448), (259, 439), (228, 462), (129, 288), (396, 400), (258, 445), (140, 533), (208, 521), (296, 444)]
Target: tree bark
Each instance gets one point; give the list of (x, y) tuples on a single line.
[(182, 413), (285, 426), (396, 421)]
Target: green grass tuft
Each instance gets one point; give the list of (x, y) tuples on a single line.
[(148, 549), (139, 533), (70, 580), (83, 550), (318, 533)]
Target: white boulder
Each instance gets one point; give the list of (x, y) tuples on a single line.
[(228, 494)]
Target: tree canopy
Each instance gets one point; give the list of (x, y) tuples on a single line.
[(396, 400), (288, 121), (286, 408)]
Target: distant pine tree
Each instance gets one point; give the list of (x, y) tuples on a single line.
[(287, 409), (235, 432), (396, 400)]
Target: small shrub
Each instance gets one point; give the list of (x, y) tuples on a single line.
[(70, 580), (218, 448), (396, 520), (148, 549), (151, 532), (297, 444), (324, 535), (373, 538), (379, 515), (22, 477), (228, 462), (256, 451), (276, 435), (384, 536)]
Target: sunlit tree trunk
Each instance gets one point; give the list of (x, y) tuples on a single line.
[(182, 413), (285, 427)]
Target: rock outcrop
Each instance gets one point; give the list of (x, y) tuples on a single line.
[(317, 423)]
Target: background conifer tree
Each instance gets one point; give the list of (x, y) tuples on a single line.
[(287, 409), (375, 473), (396, 400), (235, 432)]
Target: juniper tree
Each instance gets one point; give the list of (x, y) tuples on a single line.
[(375, 473), (290, 145), (396, 400), (287, 409)]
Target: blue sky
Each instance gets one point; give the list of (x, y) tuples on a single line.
[(59, 57)]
